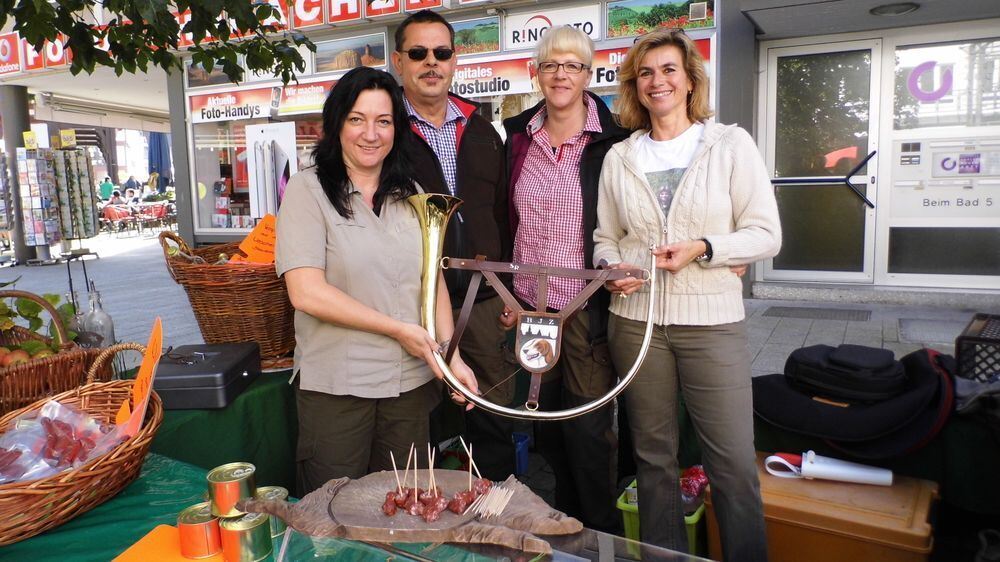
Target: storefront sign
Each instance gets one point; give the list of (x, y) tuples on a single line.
[(415, 5), (308, 13), (524, 30), (230, 106), (53, 55), (305, 98), (605, 66), (913, 83), (607, 61), (493, 78), (340, 11), (10, 53), (376, 8)]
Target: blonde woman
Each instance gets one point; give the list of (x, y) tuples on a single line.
[(554, 156), (699, 192)]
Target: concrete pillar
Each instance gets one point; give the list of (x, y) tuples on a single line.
[(179, 140), (15, 119)]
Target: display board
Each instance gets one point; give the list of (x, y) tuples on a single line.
[(39, 209), (58, 200), (6, 204)]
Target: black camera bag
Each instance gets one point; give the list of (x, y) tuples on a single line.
[(851, 373)]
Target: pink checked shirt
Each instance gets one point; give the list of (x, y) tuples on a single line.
[(549, 205)]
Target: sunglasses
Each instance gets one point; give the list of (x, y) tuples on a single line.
[(420, 53)]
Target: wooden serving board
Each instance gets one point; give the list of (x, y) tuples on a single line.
[(352, 509), (359, 502)]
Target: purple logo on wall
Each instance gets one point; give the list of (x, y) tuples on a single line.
[(913, 83)]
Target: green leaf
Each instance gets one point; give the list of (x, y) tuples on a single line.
[(9, 283), (28, 308), (6, 323), (34, 323), (33, 346), (52, 298)]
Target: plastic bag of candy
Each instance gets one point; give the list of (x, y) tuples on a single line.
[(50, 440), (693, 484)]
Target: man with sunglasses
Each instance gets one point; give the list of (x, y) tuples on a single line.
[(456, 151)]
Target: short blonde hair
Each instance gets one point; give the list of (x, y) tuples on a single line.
[(565, 39), (631, 113)]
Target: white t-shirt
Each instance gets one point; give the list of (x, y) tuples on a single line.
[(664, 162)]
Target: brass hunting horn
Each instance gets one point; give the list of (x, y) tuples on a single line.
[(433, 212)]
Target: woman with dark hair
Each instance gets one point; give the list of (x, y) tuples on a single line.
[(699, 191), (349, 247)]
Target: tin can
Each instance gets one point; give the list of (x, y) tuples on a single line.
[(273, 493), (246, 538), (228, 484), (199, 531)]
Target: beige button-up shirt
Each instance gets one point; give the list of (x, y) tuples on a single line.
[(374, 259)]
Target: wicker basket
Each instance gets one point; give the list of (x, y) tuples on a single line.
[(25, 383), (234, 302), (31, 507)]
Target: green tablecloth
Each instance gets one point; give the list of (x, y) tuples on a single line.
[(259, 427), (163, 489), (167, 486)]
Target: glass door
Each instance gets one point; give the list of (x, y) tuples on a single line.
[(821, 135)]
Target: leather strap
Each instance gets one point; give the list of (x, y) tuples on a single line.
[(533, 269), (534, 389), (465, 313)]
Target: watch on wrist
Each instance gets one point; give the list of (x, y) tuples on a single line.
[(708, 252)]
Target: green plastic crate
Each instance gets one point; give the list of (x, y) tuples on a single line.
[(695, 526)]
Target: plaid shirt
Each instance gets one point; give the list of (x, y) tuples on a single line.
[(549, 205), (442, 140)]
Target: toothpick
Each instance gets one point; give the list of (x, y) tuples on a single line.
[(416, 482), (469, 452), (472, 462), (406, 474), (395, 472)]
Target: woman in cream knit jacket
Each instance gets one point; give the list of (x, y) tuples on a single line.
[(697, 191)]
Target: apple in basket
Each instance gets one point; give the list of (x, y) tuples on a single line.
[(15, 357), (3, 352), (46, 352)]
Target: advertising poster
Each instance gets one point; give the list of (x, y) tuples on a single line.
[(628, 18), (477, 36), (258, 103), (271, 161), (345, 54), (493, 78), (304, 98), (10, 53)]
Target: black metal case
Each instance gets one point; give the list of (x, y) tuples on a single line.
[(206, 376)]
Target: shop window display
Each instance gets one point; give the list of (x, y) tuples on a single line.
[(221, 161)]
